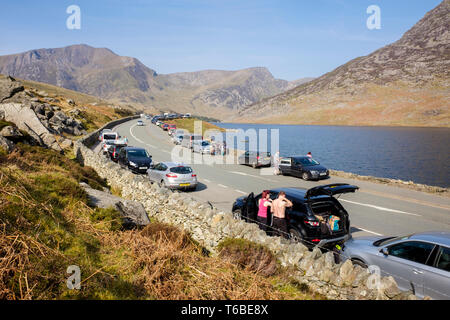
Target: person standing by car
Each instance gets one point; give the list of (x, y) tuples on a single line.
[(279, 214), (276, 163), (309, 155), (263, 205)]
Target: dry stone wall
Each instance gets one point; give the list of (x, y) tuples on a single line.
[(209, 226)]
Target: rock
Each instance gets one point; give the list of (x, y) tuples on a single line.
[(66, 143), (329, 260), (11, 133), (133, 212), (25, 119), (389, 287), (9, 87), (412, 297), (6, 144), (70, 101), (345, 272)]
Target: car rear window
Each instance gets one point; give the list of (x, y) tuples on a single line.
[(109, 137), (181, 170)]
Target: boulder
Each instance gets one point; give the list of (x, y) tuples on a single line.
[(66, 143), (9, 87), (133, 213), (6, 144), (11, 132), (389, 287), (346, 272), (25, 119)]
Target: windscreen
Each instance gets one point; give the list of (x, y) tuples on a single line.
[(307, 162), (181, 170)]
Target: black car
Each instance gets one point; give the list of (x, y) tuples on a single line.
[(303, 167), (136, 159), (309, 219)]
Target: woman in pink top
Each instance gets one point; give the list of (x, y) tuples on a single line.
[(264, 203)]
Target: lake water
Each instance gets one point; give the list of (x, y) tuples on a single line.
[(421, 155)]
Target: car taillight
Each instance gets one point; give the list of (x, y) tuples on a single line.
[(312, 223), (315, 240), (194, 175), (169, 175)]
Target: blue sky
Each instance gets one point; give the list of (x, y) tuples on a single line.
[(292, 38)]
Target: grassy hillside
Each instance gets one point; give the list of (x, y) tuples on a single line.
[(188, 124), (46, 226)]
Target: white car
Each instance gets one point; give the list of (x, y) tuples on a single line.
[(201, 146), (140, 123)]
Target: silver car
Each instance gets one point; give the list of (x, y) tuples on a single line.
[(173, 175), (419, 262), (255, 159)]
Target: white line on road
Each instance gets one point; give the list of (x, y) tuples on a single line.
[(377, 234), (380, 208), (136, 138), (239, 191), (221, 185), (206, 180)]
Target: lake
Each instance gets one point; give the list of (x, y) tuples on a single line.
[(421, 155)]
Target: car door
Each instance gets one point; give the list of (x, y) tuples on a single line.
[(296, 168), (405, 261), (152, 172), (121, 158), (437, 275), (249, 209)]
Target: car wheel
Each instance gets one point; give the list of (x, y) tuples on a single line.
[(359, 263), (237, 214), (295, 235), (305, 176)]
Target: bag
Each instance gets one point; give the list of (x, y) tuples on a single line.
[(333, 222)]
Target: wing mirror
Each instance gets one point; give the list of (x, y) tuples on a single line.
[(385, 251)]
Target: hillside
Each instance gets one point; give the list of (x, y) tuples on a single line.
[(102, 73), (405, 83)]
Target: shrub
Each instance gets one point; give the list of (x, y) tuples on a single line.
[(249, 255)]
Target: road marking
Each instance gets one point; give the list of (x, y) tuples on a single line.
[(250, 175), (136, 138), (239, 191), (206, 180), (221, 185), (241, 173), (377, 234), (380, 208)]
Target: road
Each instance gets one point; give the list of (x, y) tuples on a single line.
[(375, 209)]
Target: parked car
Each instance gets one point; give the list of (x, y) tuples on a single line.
[(113, 151), (171, 127), (136, 159), (108, 135), (140, 123), (188, 140), (309, 219), (201, 146), (101, 133), (419, 262), (173, 176), (255, 159), (165, 126), (177, 139), (303, 167)]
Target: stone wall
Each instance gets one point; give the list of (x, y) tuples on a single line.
[(209, 226)]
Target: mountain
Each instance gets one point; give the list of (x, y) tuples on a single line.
[(102, 73), (405, 83)]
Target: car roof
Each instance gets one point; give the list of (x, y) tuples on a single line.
[(438, 237), (133, 148), (174, 164)]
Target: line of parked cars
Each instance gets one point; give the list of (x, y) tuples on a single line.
[(418, 262)]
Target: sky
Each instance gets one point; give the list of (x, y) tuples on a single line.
[(292, 38)]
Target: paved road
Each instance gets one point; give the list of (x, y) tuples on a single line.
[(375, 209)]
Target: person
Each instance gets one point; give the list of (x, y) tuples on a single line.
[(263, 205), (276, 163), (278, 208), (309, 155)]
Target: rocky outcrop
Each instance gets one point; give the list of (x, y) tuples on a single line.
[(132, 212), (209, 226)]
